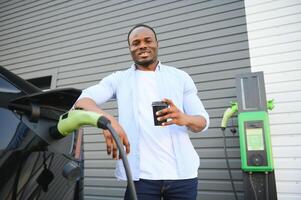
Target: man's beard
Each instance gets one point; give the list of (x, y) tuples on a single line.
[(145, 63)]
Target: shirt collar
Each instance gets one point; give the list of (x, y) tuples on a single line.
[(158, 68)]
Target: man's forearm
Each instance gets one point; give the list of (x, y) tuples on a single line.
[(195, 123), (90, 105)]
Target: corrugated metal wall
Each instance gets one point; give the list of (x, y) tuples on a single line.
[(86, 40), (274, 29)]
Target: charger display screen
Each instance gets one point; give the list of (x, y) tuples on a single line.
[(255, 141)]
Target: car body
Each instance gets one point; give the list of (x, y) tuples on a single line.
[(31, 162)]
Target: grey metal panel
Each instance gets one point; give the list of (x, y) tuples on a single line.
[(219, 185), (96, 61), (16, 7), (10, 4), (104, 191), (86, 40), (45, 12), (88, 197), (218, 174), (107, 183), (84, 17), (96, 163), (109, 33)]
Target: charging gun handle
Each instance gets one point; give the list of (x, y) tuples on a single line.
[(73, 120), (270, 104), (229, 113)]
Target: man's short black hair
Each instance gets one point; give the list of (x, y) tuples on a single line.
[(141, 25)]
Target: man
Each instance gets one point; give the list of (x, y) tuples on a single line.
[(162, 159)]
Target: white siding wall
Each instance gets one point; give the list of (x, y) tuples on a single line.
[(274, 32)]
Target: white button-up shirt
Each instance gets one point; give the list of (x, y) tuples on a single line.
[(173, 84)]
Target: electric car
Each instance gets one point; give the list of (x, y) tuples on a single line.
[(33, 165)]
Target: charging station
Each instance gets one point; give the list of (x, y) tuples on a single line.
[(254, 136), (253, 124)]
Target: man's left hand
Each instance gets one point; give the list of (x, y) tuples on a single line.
[(173, 114)]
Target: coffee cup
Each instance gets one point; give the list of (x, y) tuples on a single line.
[(157, 106)]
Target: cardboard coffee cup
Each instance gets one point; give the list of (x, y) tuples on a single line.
[(157, 106)]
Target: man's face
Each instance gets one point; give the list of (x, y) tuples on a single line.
[(143, 46)]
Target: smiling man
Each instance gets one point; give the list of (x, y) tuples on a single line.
[(163, 161)]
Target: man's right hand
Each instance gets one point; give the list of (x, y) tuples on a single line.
[(110, 142), (89, 105)]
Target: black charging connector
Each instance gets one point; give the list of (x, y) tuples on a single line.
[(228, 164), (104, 123)]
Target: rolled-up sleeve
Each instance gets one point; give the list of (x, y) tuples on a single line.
[(101, 92), (192, 103)]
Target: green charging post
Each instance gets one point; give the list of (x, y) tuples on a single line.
[(253, 124), (254, 136)]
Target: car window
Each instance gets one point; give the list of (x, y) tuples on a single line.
[(7, 87)]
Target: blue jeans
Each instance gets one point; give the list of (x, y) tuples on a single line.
[(185, 189)]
